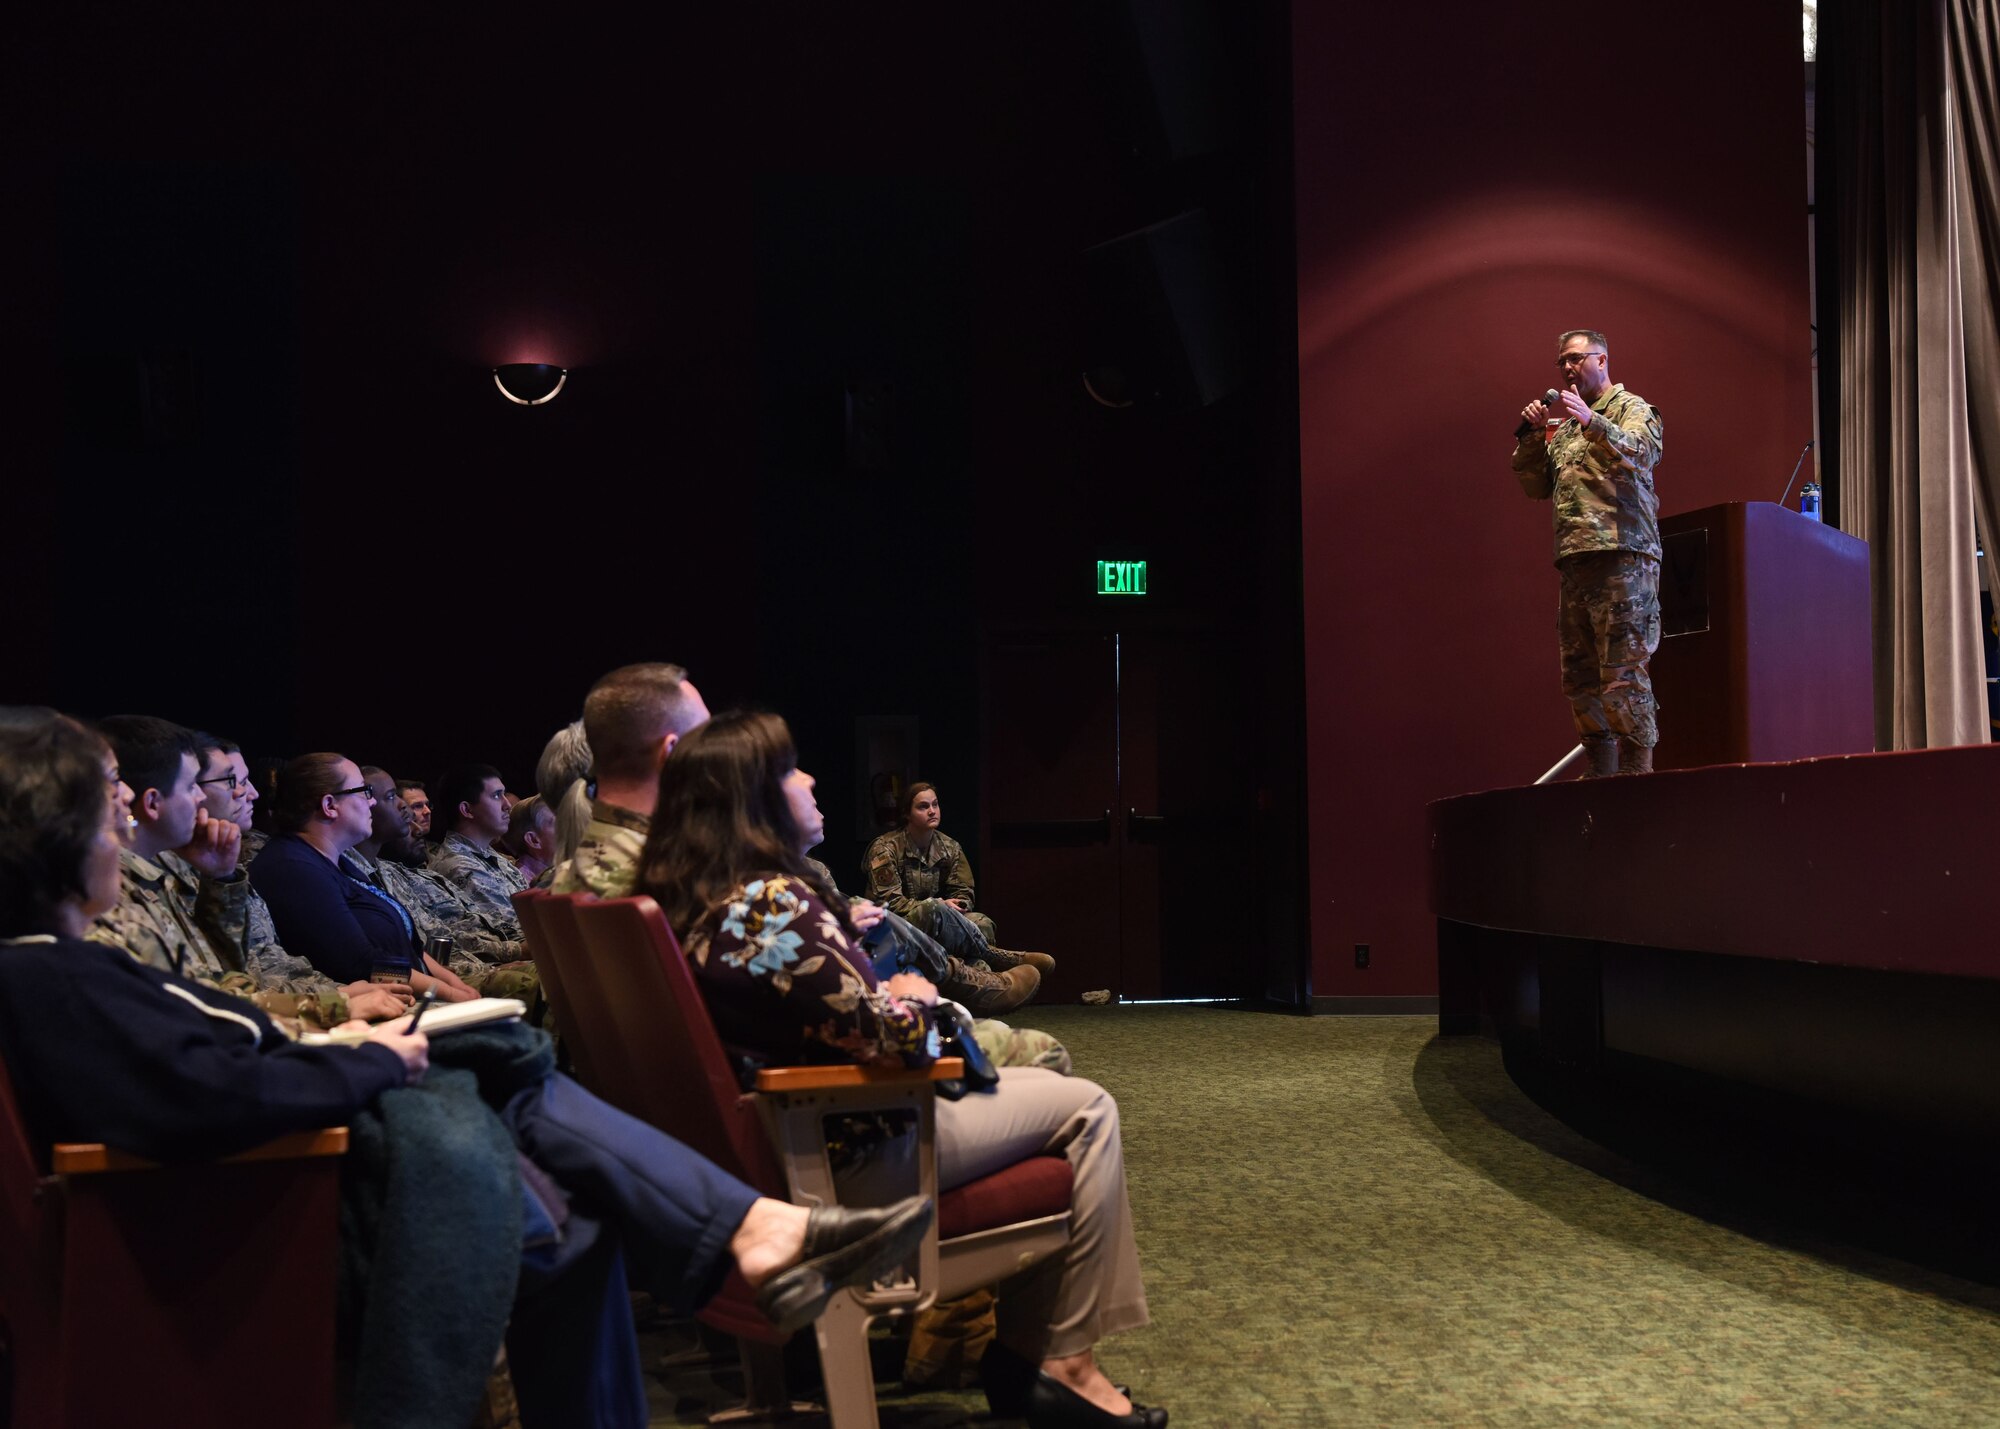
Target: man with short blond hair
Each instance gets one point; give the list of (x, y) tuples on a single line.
[(632, 717)]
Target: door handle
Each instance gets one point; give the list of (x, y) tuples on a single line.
[(1144, 828), (1053, 833)]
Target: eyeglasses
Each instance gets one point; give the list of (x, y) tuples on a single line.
[(1571, 359), (236, 786), (357, 789)]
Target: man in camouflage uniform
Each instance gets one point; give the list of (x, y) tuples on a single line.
[(184, 906), (632, 718), (531, 840), (472, 812), (418, 802), (1597, 465), (482, 956)]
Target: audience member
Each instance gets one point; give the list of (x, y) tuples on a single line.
[(924, 875), (418, 802), (632, 717), (489, 962), (982, 991), (322, 810), (562, 778), (101, 1048), (469, 818), (252, 941), (181, 893), (774, 954), (531, 840)]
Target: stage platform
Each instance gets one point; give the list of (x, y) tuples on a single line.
[(1814, 938)]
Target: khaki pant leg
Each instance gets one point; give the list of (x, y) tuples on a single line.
[(1089, 1289), (1092, 1288)]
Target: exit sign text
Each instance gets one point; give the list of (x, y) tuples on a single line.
[(1121, 577)]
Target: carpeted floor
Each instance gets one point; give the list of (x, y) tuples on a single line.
[(1347, 1221)]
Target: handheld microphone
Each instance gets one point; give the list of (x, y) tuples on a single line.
[(1549, 399)]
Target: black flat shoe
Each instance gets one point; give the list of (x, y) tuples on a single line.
[(1005, 1377), (1056, 1406), (844, 1246)]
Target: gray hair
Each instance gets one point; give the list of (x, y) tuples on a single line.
[(565, 759), (1597, 339)]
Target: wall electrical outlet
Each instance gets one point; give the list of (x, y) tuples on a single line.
[(1361, 955)]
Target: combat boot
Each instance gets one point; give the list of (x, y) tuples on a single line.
[(1001, 959), (1634, 758), (986, 993), (1603, 756)]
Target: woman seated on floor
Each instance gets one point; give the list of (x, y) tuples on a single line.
[(102, 1048), (773, 952)]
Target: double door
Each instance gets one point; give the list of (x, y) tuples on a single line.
[(1121, 802)]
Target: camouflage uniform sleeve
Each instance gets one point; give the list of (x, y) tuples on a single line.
[(126, 927), (486, 894), (479, 953), (222, 912), (1635, 437), (1531, 466), (884, 876), (958, 878)]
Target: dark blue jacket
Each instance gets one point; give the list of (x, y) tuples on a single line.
[(333, 920), (102, 1048)]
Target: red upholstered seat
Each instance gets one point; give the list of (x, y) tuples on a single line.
[(1039, 1186), (645, 1034)]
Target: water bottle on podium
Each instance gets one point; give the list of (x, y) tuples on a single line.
[(1809, 501)]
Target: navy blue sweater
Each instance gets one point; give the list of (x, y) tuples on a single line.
[(102, 1048), (336, 922)]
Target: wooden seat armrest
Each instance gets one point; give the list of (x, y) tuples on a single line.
[(76, 1158), (816, 1079)]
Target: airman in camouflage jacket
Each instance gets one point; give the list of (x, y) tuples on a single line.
[(606, 862), (169, 917), (913, 883), (1599, 474), (485, 880), (492, 964)]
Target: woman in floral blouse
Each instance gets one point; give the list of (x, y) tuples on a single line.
[(776, 952)]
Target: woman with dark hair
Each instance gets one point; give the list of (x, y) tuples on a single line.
[(100, 1047), (338, 922), (779, 964)]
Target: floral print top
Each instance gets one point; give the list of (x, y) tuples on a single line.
[(784, 982)]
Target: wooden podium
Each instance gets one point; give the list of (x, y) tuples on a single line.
[(1766, 648)]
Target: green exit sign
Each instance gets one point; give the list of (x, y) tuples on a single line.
[(1121, 577)]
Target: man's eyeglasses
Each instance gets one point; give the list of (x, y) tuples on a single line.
[(236, 786), (357, 789), (1571, 359)]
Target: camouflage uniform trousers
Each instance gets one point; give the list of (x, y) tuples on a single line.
[(915, 951), (1607, 628), (963, 935)]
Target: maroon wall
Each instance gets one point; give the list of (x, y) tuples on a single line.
[(1468, 186)]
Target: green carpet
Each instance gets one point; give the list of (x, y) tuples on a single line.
[(1350, 1221)]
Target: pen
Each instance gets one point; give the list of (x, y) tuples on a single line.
[(423, 1006)]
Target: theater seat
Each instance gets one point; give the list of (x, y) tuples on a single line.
[(201, 1293), (668, 1067)]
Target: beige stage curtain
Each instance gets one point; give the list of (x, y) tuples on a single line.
[(1919, 238)]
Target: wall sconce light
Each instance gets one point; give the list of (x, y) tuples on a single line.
[(530, 383)]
